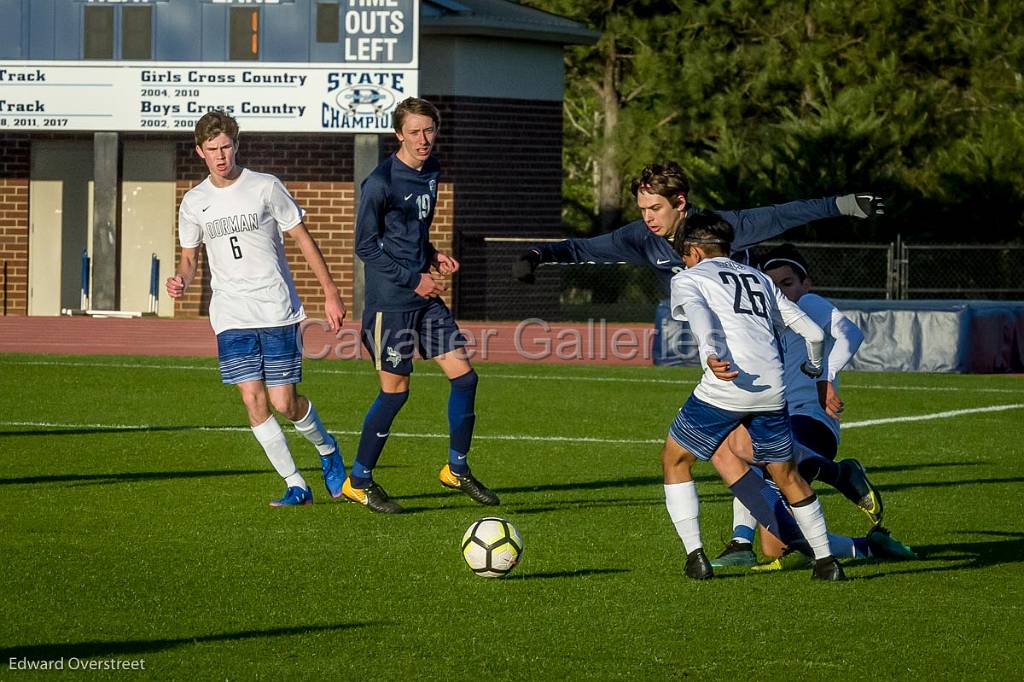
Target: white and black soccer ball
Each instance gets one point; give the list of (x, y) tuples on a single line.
[(492, 547)]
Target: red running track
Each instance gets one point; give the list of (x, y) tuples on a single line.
[(531, 341)]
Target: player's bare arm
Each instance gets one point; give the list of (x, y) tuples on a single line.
[(829, 399), (334, 307), (721, 368), (186, 272)]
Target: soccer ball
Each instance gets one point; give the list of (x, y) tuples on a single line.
[(492, 547)]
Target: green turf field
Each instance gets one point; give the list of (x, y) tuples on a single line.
[(136, 527)]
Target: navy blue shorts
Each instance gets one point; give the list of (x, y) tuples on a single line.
[(701, 428), (272, 355), (392, 338), (814, 435)]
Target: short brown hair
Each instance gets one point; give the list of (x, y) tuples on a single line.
[(667, 180), (414, 105), (213, 123)]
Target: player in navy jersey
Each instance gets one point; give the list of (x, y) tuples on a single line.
[(240, 215), (403, 312), (661, 193)]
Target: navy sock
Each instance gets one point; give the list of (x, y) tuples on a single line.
[(461, 419), (818, 468), (767, 506), (376, 428)]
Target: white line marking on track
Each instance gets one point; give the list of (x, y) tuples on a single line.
[(506, 437), (316, 369)]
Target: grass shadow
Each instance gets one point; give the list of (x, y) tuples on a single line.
[(945, 484), (87, 431), (52, 651), (957, 556), (630, 482), (143, 476), (128, 477), (579, 573)]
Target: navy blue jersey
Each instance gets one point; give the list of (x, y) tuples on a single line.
[(635, 243), (396, 207)]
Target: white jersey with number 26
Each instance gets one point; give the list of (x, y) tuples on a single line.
[(735, 313), (242, 226)]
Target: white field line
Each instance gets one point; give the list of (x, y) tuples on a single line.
[(529, 377), (934, 415), (398, 434), (506, 437)]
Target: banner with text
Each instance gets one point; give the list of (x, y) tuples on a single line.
[(172, 96)]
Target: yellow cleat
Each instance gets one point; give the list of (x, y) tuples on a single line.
[(373, 498), (468, 484)]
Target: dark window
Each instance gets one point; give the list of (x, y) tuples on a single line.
[(99, 32), (244, 28), (136, 32), (327, 29)]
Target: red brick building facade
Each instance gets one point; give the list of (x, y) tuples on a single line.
[(501, 172)]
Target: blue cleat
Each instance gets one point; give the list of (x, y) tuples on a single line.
[(294, 497), (334, 470), (884, 545)]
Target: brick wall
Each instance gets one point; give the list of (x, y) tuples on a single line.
[(13, 246), (14, 171), (501, 171)]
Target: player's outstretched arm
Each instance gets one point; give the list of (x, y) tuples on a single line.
[(755, 225), (177, 283), (623, 244), (334, 307), (861, 205)]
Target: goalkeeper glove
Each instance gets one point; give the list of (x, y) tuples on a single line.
[(524, 268), (863, 205)]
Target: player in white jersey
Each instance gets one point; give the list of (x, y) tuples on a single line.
[(814, 407), (240, 216), (734, 313)]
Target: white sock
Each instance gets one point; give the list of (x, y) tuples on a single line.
[(684, 509), (312, 429), (743, 522), (271, 437), (811, 520)]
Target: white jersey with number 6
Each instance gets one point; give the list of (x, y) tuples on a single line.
[(735, 313), (242, 226)]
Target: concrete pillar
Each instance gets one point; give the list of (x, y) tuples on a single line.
[(106, 233), (365, 158)]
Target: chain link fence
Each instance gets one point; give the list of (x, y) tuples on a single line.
[(994, 272), (622, 292)]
